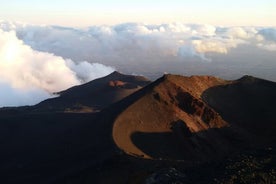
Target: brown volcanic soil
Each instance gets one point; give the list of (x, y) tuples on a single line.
[(169, 120), (196, 118), (95, 95)]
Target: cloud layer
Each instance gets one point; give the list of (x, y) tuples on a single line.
[(131, 40), (28, 76), (38, 60)]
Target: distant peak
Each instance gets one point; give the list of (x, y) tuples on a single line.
[(116, 73), (248, 78)]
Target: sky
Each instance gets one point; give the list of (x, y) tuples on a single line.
[(83, 13), (49, 46)]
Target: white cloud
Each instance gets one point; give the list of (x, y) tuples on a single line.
[(10, 96), (189, 51), (240, 32), (52, 58), (131, 41), (269, 47), (25, 72), (24, 67), (216, 45), (268, 34), (86, 71), (267, 39)]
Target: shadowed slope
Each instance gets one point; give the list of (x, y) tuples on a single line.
[(249, 103), (94, 95), (44, 147)]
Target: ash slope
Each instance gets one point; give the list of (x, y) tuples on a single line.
[(46, 142), (249, 103), (198, 118), (95, 95)]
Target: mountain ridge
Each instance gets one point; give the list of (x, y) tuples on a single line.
[(164, 100), (174, 121), (94, 95)]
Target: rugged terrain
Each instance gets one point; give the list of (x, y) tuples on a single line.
[(133, 131)]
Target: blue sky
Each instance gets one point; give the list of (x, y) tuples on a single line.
[(87, 12)]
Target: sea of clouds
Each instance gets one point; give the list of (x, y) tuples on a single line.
[(36, 61)]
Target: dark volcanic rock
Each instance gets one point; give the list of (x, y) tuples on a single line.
[(166, 176)]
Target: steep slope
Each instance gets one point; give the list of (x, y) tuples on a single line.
[(94, 95), (169, 120), (249, 103), (44, 147), (198, 117)]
